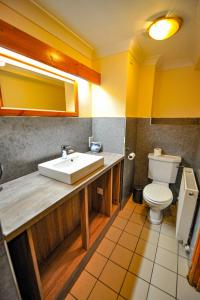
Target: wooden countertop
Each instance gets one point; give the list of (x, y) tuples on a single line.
[(27, 199)]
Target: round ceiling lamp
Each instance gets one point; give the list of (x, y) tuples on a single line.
[(164, 27)]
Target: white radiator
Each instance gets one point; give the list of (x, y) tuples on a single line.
[(186, 205)]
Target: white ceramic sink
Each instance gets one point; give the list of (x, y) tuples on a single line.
[(72, 168)]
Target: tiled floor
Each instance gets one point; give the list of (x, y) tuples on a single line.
[(137, 260)]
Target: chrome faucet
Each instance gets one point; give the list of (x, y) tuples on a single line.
[(66, 150)]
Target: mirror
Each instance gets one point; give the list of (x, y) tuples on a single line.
[(25, 90)]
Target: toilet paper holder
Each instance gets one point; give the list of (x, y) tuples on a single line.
[(131, 156)]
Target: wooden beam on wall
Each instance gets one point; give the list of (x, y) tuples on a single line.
[(16, 40)]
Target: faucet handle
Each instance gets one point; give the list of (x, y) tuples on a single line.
[(65, 147)]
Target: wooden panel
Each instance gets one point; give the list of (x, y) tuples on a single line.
[(24, 267), (97, 202), (194, 272), (84, 218), (108, 192), (28, 113), (58, 224), (67, 261), (35, 262), (19, 41), (116, 183)]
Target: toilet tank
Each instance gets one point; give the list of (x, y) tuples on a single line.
[(163, 168)]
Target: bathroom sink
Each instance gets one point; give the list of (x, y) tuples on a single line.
[(72, 168)]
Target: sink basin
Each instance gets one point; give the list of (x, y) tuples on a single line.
[(72, 168)]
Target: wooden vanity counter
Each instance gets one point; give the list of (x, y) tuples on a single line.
[(52, 228)]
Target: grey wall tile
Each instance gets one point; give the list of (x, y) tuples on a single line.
[(180, 140), (27, 141), (110, 132), (130, 146)]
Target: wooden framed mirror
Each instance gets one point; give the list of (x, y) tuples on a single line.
[(28, 93), (38, 80)]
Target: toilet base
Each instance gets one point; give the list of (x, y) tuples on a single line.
[(155, 216)]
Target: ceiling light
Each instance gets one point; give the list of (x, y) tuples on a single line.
[(164, 27)]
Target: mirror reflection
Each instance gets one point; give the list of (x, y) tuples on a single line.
[(24, 89)]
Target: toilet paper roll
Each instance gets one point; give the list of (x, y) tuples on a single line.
[(157, 151), (131, 156)]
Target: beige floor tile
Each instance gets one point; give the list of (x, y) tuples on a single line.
[(113, 234), (79, 289), (168, 229), (182, 252), (96, 264), (156, 294), (150, 236), (164, 279), (167, 259), (128, 241), (120, 223), (173, 210), (125, 213), (70, 297), (146, 249), (147, 224), (133, 228), (186, 291), (120, 298), (113, 276), (106, 247), (141, 267), (141, 210), (169, 219), (168, 243), (102, 292), (136, 218), (130, 203), (183, 266), (134, 288), (121, 256)]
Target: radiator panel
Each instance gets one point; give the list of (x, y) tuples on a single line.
[(186, 205)]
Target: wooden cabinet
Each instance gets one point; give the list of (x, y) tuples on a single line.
[(49, 256)]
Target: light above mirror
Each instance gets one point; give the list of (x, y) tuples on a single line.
[(29, 87), (18, 60), (164, 27)]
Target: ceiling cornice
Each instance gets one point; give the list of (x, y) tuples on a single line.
[(113, 49), (62, 24)]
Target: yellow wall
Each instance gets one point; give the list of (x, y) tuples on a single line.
[(25, 16), (109, 99), (177, 93), (132, 87), (145, 90), (170, 93)]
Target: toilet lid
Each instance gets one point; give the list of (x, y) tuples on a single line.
[(157, 193)]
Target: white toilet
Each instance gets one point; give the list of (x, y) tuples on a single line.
[(163, 170)]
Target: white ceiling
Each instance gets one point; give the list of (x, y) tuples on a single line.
[(110, 25)]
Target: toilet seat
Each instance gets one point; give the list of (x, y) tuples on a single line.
[(157, 193)]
